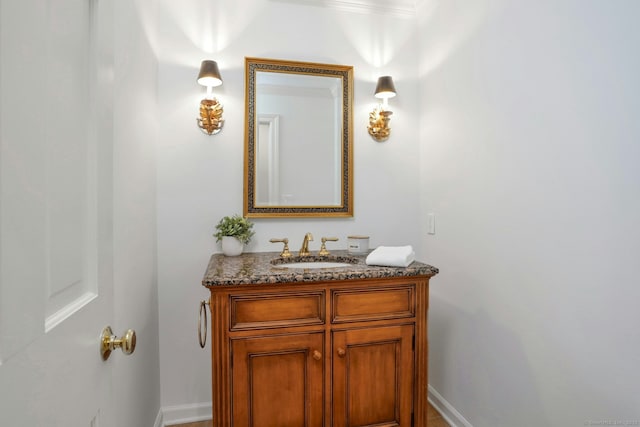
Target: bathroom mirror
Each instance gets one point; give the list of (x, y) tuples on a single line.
[(298, 147)]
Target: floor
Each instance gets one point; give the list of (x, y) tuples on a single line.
[(433, 418)]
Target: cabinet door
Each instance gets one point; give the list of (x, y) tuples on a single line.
[(277, 381), (373, 377)]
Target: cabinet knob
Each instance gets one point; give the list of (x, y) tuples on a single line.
[(341, 352), (317, 355)]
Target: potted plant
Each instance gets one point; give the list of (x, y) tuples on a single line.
[(234, 232)]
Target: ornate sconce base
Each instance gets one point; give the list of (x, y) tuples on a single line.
[(379, 124), (210, 120)]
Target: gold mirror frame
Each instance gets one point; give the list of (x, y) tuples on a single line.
[(345, 74)]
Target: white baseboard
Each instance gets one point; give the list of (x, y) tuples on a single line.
[(158, 422), (448, 412), (182, 414)]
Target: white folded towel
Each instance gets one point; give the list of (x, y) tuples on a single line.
[(391, 256)]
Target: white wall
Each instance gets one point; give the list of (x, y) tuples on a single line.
[(529, 158), (136, 378), (200, 176)]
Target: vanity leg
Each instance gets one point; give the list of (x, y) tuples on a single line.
[(421, 357), (220, 369)]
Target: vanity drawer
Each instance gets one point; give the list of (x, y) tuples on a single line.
[(276, 310), (356, 305)]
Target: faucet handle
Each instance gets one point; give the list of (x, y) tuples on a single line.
[(323, 248), (285, 250)]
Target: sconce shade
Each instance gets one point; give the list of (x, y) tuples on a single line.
[(379, 118), (209, 74), (385, 88)]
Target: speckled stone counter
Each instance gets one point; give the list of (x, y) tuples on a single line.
[(257, 268)]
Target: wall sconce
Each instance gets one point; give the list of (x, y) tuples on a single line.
[(379, 118), (210, 120)]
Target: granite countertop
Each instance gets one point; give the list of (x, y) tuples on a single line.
[(256, 268)]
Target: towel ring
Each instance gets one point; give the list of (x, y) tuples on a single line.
[(203, 341)]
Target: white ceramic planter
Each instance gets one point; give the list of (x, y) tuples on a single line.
[(231, 246)]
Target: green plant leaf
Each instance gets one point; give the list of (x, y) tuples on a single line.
[(236, 226)]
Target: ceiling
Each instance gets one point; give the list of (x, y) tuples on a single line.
[(395, 7)]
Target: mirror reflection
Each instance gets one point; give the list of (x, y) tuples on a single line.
[(296, 121), (298, 139)]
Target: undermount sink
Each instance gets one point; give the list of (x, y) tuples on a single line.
[(312, 261), (314, 264)]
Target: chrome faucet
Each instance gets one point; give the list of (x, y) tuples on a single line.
[(304, 250)]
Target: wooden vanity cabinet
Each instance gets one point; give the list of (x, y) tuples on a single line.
[(278, 380), (328, 354), (373, 376)]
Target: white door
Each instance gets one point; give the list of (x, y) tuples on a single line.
[(56, 290)]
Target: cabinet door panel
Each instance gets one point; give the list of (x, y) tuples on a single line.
[(264, 310), (356, 305), (278, 381), (373, 377)]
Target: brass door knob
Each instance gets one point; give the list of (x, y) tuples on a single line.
[(341, 352), (109, 342)]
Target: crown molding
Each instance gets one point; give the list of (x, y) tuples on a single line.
[(393, 7)]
